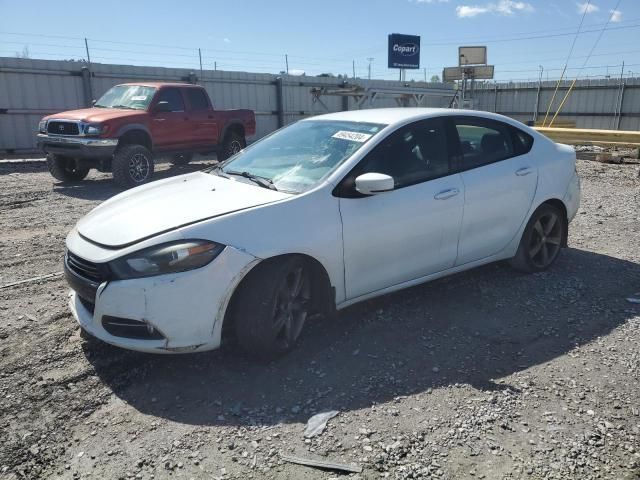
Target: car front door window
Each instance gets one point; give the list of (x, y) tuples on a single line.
[(414, 154), (173, 97)]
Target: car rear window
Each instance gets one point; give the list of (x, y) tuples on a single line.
[(522, 141)]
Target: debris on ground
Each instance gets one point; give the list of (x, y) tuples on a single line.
[(324, 464), (317, 423)]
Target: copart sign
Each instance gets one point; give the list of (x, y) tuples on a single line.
[(404, 51)]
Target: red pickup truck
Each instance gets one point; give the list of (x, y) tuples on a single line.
[(135, 122)]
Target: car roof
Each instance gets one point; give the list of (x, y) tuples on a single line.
[(391, 116), (161, 84)]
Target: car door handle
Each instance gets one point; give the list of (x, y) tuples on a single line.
[(524, 171), (448, 193)]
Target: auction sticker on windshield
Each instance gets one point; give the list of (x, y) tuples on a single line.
[(353, 136), (139, 98)]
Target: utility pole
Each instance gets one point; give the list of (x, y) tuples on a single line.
[(370, 59), (286, 61), (354, 69), (86, 46), (200, 57), (215, 65), (537, 106), (425, 74)]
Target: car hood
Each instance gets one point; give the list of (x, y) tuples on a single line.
[(165, 205), (96, 114)]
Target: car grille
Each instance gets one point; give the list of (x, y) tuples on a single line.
[(62, 128), (84, 277), (85, 268)]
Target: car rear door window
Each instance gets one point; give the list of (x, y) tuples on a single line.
[(413, 154), (483, 141), (173, 97), (197, 99)]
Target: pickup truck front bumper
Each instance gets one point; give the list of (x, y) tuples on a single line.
[(77, 146)]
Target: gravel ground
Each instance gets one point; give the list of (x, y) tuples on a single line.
[(486, 374)]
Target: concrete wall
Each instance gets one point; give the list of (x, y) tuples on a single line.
[(604, 104), (30, 89)]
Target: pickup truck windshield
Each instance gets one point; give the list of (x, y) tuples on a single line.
[(301, 155), (134, 97)]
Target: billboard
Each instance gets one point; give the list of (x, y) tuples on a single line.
[(404, 51), (472, 56)]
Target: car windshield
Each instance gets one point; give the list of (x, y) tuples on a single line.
[(135, 97), (298, 157)]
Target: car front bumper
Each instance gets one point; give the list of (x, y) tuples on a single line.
[(185, 311), (77, 146)]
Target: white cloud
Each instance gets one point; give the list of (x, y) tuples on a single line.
[(587, 7), (616, 16), (503, 7), (429, 1), (470, 11)]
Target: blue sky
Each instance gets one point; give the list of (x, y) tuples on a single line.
[(252, 35)]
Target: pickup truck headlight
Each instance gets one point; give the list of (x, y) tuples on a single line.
[(93, 130), (166, 258), (42, 126)]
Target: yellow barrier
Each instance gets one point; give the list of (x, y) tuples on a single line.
[(582, 136)]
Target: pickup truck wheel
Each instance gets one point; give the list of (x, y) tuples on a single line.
[(132, 166), (272, 306), (231, 145), (65, 169), (181, 158)]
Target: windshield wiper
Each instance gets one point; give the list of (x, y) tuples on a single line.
[(99, 106), (257, 179), (123, 106), (217, 169)]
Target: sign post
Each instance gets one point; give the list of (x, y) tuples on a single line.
[(472, 64)]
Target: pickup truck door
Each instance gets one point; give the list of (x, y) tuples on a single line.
[(170, 124), (203, 119)]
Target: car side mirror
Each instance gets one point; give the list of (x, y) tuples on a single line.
[(93, 102), (162, 107), (374, 183)]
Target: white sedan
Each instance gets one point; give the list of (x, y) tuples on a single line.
[(326, 212)]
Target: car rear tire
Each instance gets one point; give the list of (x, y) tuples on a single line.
[(181, 158), (541, 241), (272, 306), (65, 169), (132, 166), (231, 145)]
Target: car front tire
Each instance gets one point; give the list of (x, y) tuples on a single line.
[(541, 241), (65, 169), (132, 166), (272, 306)]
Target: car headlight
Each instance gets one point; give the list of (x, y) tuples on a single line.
[(166, 258), (42, 126), (93, 130)]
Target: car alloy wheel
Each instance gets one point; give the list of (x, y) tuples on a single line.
[(290, 309), (139, 167), (234, 147), (546, 240)]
